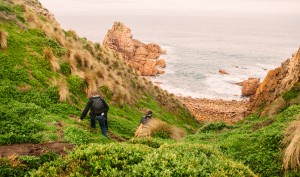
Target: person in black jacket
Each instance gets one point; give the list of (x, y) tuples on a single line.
[(146, 118), (98, 111), (143, 122)]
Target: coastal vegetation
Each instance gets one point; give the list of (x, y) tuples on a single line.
[(46, 76)]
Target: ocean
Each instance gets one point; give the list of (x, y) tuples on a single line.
[(199, 46)]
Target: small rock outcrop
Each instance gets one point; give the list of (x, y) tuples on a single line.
[(161, 63), (277, 82), (221, 71), (140, 56), (250, 86)]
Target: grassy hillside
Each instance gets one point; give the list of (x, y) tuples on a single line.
[(48, 73), (46, 77)]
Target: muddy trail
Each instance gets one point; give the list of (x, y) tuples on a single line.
[(207, 110), (29, 149)]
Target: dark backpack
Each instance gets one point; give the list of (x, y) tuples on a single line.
[(97, 105)]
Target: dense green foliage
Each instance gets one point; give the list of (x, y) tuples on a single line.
[(123, 159)]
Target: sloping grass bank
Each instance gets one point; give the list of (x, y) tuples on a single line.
[(256, 141)]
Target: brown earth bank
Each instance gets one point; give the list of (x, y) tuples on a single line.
[(28, 149), (208, 110)]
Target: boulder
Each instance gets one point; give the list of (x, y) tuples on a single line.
[(149, 68), (154, 48), (223, 71), (250, 86), (161, 72), (161, 63), (153, 55), (141, 52), (137, 43)]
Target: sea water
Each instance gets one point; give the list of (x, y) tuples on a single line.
[(199, 46)]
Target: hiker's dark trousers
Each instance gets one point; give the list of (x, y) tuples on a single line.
[(102, 121)]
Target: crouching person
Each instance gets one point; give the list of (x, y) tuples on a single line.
[(98, 111), (143, 121)]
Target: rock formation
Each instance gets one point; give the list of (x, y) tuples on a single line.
[(250, 86), (140, 56), (277, 82)]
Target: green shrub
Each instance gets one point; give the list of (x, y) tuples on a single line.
[(188, 160), (57, 49), (76, 84), (293, 93), (76, 135), (65, 68), (108, 94), (43, 98), (137, 160), (215, 126), (151, 142)]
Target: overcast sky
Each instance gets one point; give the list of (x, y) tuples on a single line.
[(169, 7)]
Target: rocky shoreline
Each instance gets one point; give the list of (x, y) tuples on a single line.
[(209, 110)]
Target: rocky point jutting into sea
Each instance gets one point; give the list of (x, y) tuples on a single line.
[(142, 57)]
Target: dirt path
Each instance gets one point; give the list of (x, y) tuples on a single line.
[(34, 149), (216, 110)]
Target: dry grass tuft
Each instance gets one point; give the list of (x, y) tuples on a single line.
[(24, 87), (63, 89), (14, 161), (91, 80), (291, 158), (52, 59), (155, 125), (83, 59), (48, 30), (100, 70), (60, 38), (121, 95), (30, 17), (3, 39)]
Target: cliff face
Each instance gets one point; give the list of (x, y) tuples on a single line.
[(142, 57), (277, 82)]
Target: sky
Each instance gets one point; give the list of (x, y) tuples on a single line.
[(168, 7)]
